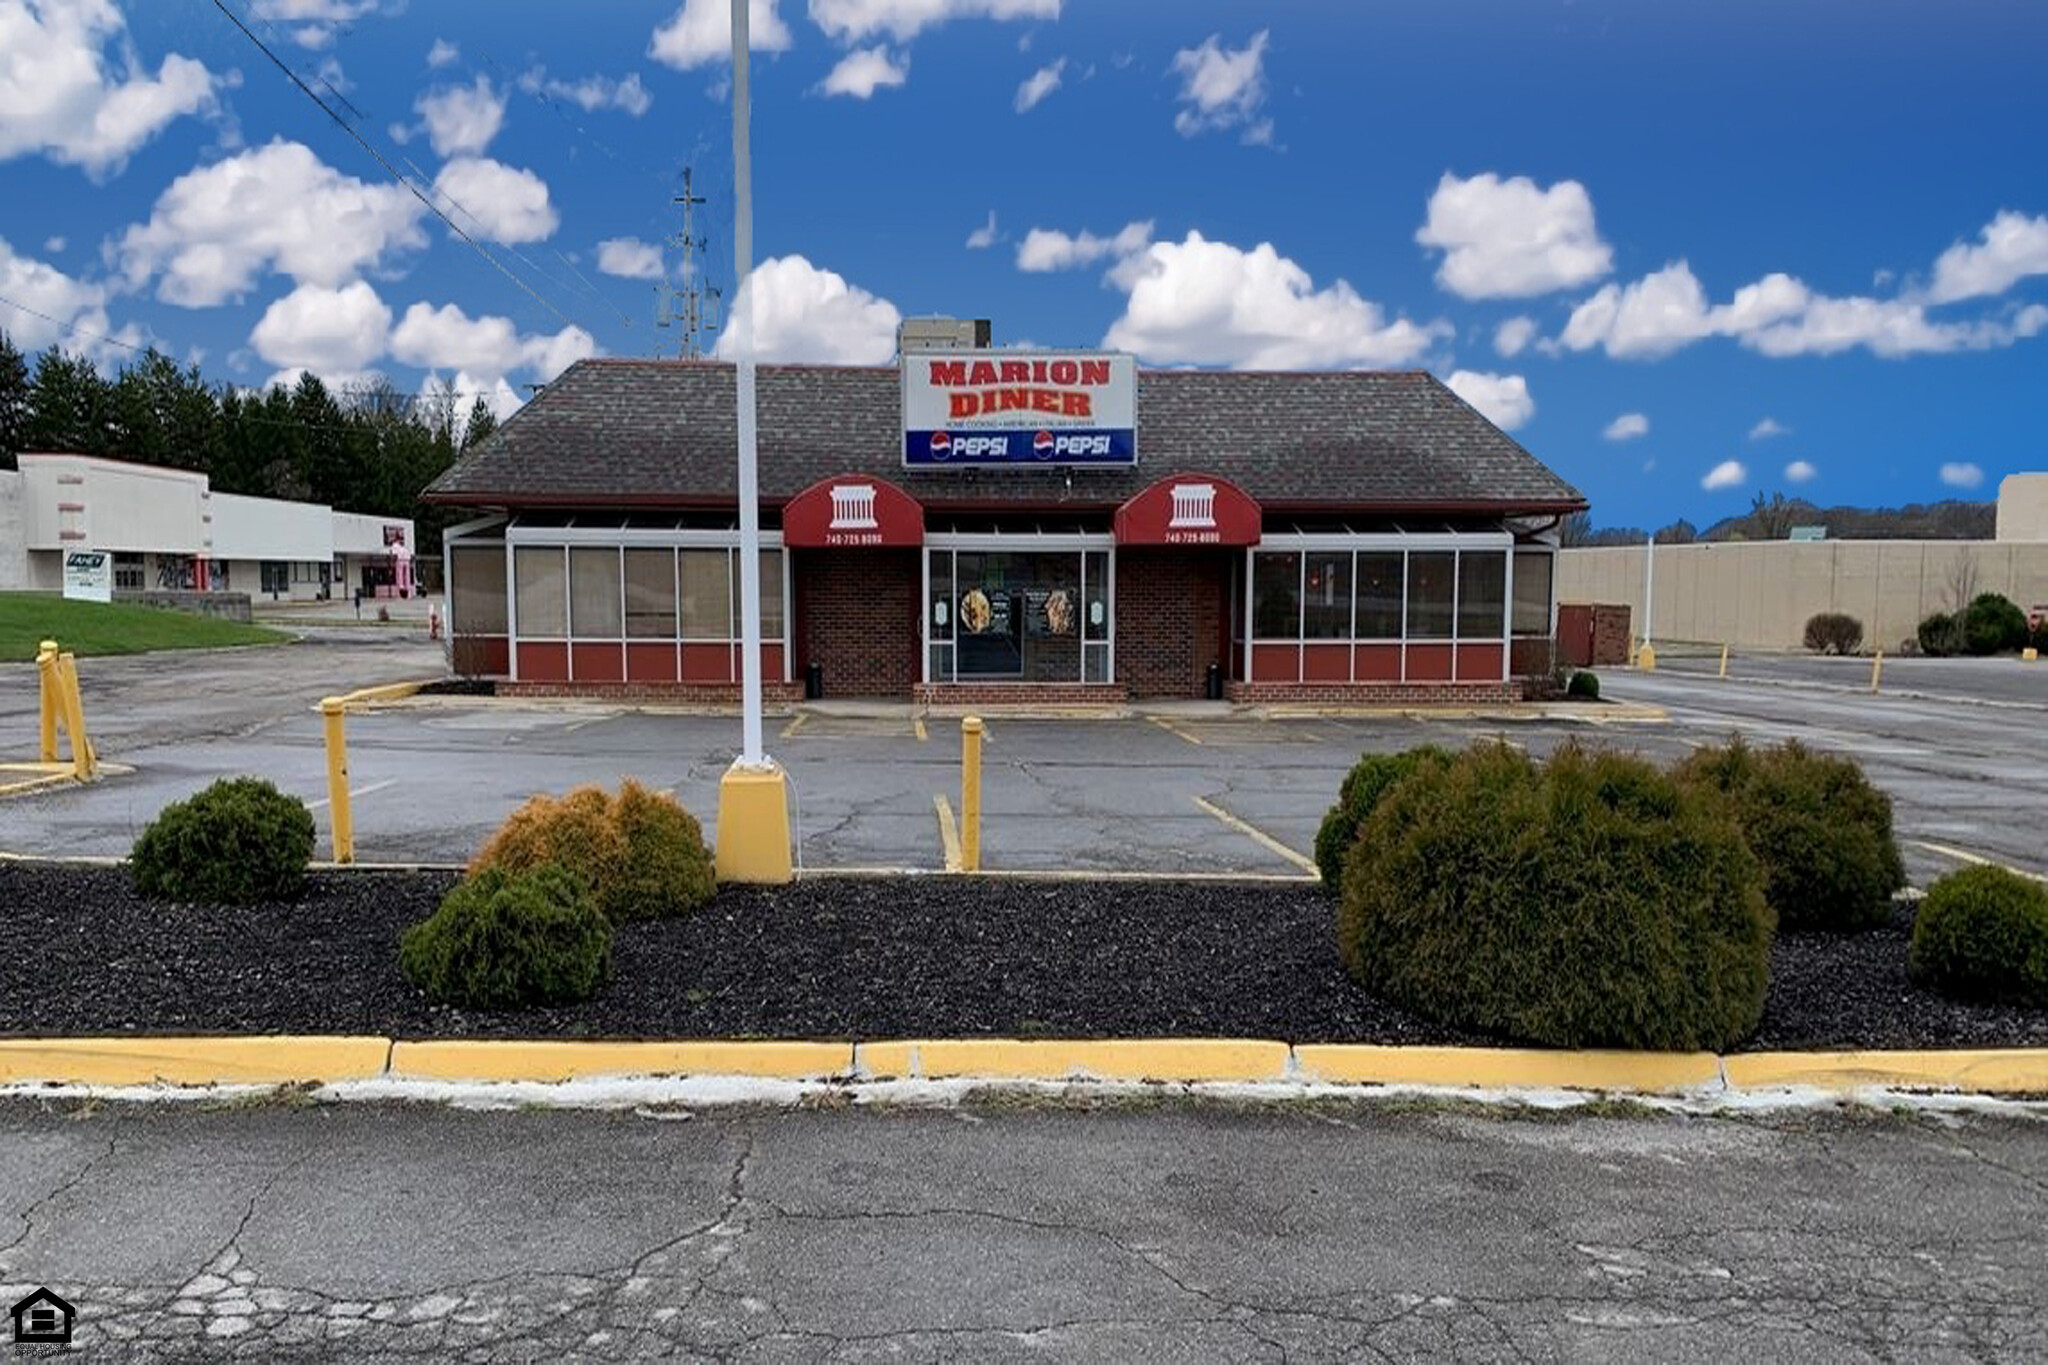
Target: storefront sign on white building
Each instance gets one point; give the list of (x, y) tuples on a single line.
[(980, 408), (89, 575)]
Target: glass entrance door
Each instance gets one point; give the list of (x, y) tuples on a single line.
[(1018, 615)]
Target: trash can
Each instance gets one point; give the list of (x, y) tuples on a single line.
[(814, 682), (1213, 685)]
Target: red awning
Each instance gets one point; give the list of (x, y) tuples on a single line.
[(852, 510), (1189, 509)]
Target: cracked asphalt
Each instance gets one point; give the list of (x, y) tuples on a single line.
[(1040, 1231), (1155, 792)]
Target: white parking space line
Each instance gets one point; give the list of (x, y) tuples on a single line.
[(354, 792), (1258, 836)]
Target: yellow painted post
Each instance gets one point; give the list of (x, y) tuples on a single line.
[(1876, 670), (51, 691), (84, 765), (970, 793), (1724, 661), (332, 711), (1646, 659)]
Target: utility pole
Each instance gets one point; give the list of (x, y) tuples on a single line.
[(694, 304)]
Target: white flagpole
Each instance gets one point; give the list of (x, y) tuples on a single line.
[(750, 510)]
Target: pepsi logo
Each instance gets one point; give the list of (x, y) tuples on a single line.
[(942, 445), (1042, 445)]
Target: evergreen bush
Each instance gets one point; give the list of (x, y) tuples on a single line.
[(1361, 790), (1821, 830), (1584, 684), (1939, 635), (1833, 632), (238, 842), (503, 939), (1993, 625), (1982, 933), (641, 854), (1590, 902)]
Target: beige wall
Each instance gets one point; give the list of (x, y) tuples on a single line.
[(2023, 507), (1758, 594)]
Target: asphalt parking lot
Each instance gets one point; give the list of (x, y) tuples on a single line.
[(1179, 789)]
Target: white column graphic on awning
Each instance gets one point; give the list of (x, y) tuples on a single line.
[(1194, 505), (853, 507)]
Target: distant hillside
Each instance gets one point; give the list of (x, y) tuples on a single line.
[(1774, 519)]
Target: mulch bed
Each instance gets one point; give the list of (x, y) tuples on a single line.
[(82, 954)]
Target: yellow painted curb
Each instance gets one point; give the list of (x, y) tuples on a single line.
[(480, 1060), (1497, 1067), (1990, 1070), (1107, 1059), (277, 1060), (397, 691)]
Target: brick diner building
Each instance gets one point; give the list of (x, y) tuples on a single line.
[(1339, 536)]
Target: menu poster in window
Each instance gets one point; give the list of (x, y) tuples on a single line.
[(1049, 611), (985, 612)]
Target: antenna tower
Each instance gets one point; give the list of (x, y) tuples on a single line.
[(692, 306)]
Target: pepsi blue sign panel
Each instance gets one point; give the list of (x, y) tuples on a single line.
[(980, 408)]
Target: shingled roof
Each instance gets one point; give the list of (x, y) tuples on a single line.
[(661, 434)]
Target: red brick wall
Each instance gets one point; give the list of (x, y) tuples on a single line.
[(1169, 619), (1370, 694), (856, 615), (714, 693)]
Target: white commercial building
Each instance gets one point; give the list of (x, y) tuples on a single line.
[(168, 530)]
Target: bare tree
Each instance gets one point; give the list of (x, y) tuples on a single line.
[(1962, 580)]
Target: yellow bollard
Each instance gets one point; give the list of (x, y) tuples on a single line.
[(50, 691), (1724, 661), (84, 763), (970, 794), (1646, 659), (2029, 654), (332, 711), (1876, 670)]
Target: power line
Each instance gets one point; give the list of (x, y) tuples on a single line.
[(391, 170)]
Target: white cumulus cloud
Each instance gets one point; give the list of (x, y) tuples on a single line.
[(592, 93), (64, 96), (72, 303), (1512, 336), (1223, 88), (332, 332), (215, 229), (1039, 84), (448, 338), (1512, 239), (629, 258), (1768, 428), (809, 314), (509, 204), (443, 53), (1049, 249), (1727, 474), (700, 33), (1961, 475), (853, 21), (1198, 302), (461, 120), (1627, 427), (1502, 399), (316, 19), (2011, 247), (1800, 471), (865, 70), (983, 236)]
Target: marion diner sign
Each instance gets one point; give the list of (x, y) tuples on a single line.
[(979, 408)]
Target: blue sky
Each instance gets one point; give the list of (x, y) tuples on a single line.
[(1686, 252)]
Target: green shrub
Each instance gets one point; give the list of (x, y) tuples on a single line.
[(641, 854), (1821, 830), (1983, 933), (1592, 902), (503, 939), (1583, 684), (1939, 634), (1993, 624), (1362, 788), (238, 842), (1833, 632)]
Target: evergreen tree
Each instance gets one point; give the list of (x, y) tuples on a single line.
[(70, 406), (482, 422), (14, 402)]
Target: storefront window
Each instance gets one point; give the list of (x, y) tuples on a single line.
[(476, 590), (1482, 594), (594, 593), (1276, 596), (651, 594), (1379, 596), (1095, 622), (540, 580), (706, 594), (1532, 591), (1326, 596), (771, 595), (1432, 589), (939, 614)]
